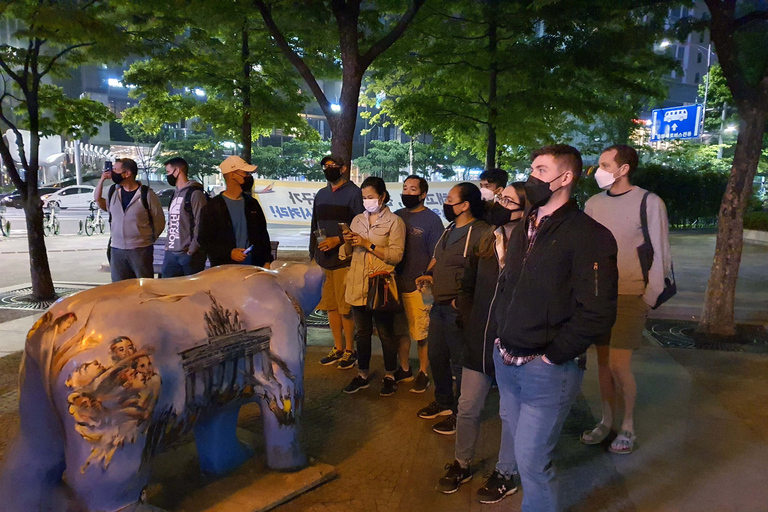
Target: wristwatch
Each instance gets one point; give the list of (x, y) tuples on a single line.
[(372, 247)]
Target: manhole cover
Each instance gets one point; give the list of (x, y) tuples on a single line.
[(317, 319), (680, 334), (21, 298)]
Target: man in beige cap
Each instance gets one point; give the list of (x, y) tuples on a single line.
[(233, 229)]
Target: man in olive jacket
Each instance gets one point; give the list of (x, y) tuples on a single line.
[(556, 296)]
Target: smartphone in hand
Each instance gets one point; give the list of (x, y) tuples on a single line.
[(344, 228), (107, 165)]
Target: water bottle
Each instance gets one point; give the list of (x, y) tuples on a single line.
[(426, 294), (320, 235)]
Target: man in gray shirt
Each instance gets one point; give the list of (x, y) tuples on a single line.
[(183, 254), (136, 220)]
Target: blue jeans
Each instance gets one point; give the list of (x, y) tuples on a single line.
[(444, 347), (537, 397), (474, 391), (177, 264)]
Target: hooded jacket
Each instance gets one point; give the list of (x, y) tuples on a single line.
[(560, 297)]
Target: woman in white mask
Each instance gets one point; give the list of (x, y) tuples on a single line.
[(375, 242)]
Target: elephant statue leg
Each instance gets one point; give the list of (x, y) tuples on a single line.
[(34, 464), (218, 448), (282, 444)]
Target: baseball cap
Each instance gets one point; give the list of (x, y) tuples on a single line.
[(335, 159), (235, 163)]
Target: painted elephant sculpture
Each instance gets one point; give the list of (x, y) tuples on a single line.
[(112, 374)]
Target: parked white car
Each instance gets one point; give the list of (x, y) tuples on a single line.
[(75, 196)]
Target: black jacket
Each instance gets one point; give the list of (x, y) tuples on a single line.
[(217, 235), (561, 297), (477, 287)]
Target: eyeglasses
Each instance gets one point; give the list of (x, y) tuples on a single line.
[(506, 202), (327, 166)]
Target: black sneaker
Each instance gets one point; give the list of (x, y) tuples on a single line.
[(348, 360), (403, 375), (433, 410), (447, 426), (389, 387), (453, 478), (333, 356), (496, 488), (421, 384), (357, 384)]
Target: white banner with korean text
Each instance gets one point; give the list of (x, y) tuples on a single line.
[(290, 202)]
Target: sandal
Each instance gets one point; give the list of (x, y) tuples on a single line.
[(597, 435), (624, 443)]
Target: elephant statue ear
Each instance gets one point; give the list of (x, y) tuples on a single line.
[(304, 281)]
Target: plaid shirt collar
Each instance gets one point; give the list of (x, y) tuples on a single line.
[(534, 227)]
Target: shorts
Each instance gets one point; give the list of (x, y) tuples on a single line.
[(417, 315), (627, 332), (334, 288)]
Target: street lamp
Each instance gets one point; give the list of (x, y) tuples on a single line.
[(665, 43)]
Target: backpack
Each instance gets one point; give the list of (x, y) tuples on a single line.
[(188, 202), (144, 191), (645, 253)]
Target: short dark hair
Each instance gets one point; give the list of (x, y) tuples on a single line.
[(564, 155), (378, 185), (498, 177), (625, 155), (129, 165), (470, 193), (179, 163), (423, 185)]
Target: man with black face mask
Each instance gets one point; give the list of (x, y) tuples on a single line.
[(423, 230), (183, 254), (233, 228), (555, 297), (338, 202), (136, 220)]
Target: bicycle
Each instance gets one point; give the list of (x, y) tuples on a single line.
[(5, 224), (93, 221), (51, 223)]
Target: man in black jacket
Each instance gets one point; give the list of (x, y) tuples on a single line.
[(556, 296), (233, 229)]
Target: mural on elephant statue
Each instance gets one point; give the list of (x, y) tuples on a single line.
[(231, 364), (112, 400)]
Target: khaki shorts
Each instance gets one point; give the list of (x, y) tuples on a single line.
[(334, 288), (417, 314), (627, 332)]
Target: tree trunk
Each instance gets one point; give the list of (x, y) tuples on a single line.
[(490, 155), (717, 314), (40, 271), (343, 124), (247, 126)]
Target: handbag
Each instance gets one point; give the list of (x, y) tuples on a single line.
[(645, 255), (382, 293)]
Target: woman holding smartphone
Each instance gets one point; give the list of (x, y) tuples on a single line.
[(375, 242)]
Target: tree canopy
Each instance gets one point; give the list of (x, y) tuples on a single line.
[(499, 77)]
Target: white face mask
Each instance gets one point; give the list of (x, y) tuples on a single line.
[(371, 205), (604, 179), (486, 194)]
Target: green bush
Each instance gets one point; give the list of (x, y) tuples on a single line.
[(756, 220)]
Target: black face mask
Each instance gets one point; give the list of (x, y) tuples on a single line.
[(117, 178), (247, 185), (171, 179), (410, 200), (537, 191), (332, 174), (498, 215), (449, 212)]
